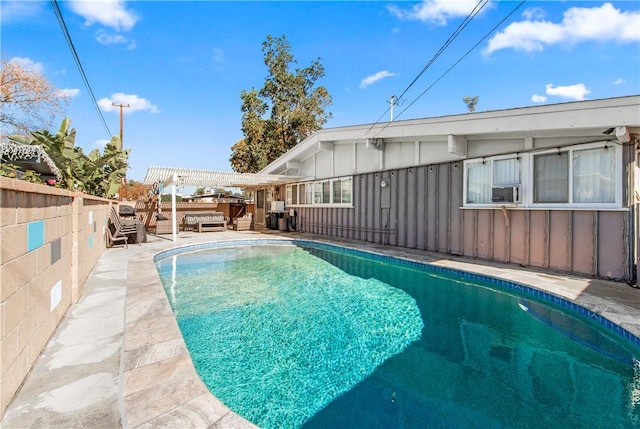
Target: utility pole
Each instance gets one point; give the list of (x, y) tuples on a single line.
[(392, 102), (123, 182)]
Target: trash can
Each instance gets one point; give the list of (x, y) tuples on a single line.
[(282, 224), (273, 221)]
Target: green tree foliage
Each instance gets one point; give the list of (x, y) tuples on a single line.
[(95, 173), (288, 109)]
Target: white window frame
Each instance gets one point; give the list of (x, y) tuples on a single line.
[(490, 160), (616, 204), (317, 193), (527, 179)]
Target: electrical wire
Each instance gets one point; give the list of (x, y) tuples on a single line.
[(464, 56), (74, 53), (448, 42), (478, 7), (454, 64)]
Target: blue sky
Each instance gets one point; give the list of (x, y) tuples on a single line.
[(182, 65)]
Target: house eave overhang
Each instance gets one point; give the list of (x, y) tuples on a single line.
[(581, 118)]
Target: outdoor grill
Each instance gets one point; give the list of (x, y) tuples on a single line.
[(126, 211)]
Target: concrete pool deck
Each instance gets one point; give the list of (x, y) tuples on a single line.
[(118, 359)]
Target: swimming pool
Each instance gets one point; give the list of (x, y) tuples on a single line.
[(374, 342)]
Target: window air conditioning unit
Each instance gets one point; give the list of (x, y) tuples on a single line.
[(505, 194), (277, 206)]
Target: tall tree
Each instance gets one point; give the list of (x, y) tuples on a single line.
[(28, 101), (285, 111)]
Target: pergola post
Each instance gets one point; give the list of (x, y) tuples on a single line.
[(174, 220)]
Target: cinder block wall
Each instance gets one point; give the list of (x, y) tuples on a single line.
[(50, 241)]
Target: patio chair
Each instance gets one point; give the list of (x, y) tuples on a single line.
[(111, 239), (164, 225), (244, 223), (123, 227)]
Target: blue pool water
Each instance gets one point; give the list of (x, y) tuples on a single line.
[(304, 336)]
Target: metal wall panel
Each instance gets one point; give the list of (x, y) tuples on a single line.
[(432, 207), (560, 233), (500, 236), (444, 194), (469, 233), (393, 211), (455, 214), (412, 187), (484, 235), (583, 227), (402, 178), (519, 237), (423, 210), (610, 249), (377, 208), (371, 207), (539, 238)]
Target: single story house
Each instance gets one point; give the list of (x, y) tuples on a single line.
[(553, 186)]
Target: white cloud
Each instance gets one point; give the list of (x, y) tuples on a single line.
[(538, 98), (600, 24), (619, 81), (370, 80), (13, 11), (435, 11), (135, 103), (68, 92), (114, 39), (28, 64), (110, 13), (573, 92), (533, 13)]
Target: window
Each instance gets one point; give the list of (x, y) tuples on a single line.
[(321, 193), (575, 176), (594, 176), (551, 178), (301, 193), (326, 192), (308, 194), (479, 183), (289, 198), (342, 191), (586, 175), (317, 193), (483, 176)]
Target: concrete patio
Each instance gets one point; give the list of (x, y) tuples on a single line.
[(119, 360)]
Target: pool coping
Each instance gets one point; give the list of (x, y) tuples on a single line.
[(160, 386)]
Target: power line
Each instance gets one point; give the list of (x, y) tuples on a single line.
[(452, 37), (454, 64), (74, 53), (464, 56), (448, 42)]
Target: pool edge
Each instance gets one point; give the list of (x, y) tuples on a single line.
[(210, 410)]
